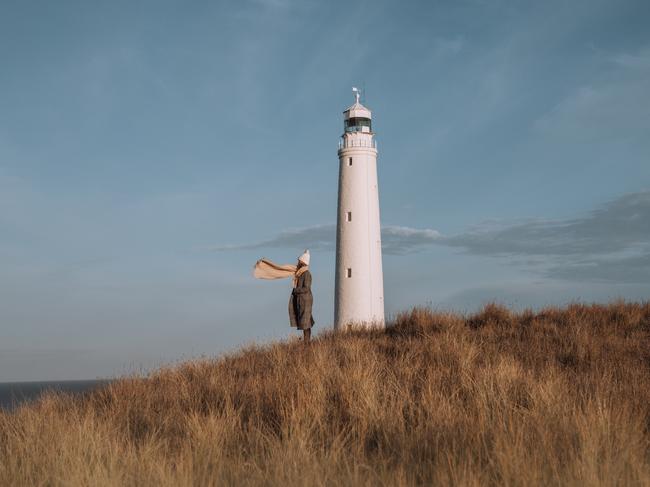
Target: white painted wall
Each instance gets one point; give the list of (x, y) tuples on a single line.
[(359, 300)]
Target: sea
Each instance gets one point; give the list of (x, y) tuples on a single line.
[(13, 394)]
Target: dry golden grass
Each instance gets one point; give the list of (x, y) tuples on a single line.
[(556, 397)]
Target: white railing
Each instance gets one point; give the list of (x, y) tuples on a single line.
[(345, 143)]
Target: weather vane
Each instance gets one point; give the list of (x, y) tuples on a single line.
[(357, 93)]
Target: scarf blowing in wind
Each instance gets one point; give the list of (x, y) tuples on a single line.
[(265, 269)]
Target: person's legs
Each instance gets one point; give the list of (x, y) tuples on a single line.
[(306, 334)]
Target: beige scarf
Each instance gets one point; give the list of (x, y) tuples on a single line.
[(265, 269)]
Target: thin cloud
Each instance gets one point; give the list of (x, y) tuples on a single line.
[(637, 60), (316, 237), (633, 269), (619, 225), (448, 46), (609, 244), (616, 107), (396, 240), (273, 3)]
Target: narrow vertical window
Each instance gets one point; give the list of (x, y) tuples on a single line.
[(349, 272), (349, 161), (348, 217)]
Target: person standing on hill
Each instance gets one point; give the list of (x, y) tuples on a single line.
[(301, 299)]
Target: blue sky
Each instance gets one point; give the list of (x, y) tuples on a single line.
[(150, 152)]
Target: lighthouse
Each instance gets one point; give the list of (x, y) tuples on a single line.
[(359, 291)]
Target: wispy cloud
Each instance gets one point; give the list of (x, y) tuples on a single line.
[(639, 60), (620, 225), (611, 243), (613, 107), (316, 237), (444, 46), (631, 269), (273, 3), (396, 240)]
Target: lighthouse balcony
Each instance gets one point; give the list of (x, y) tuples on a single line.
[(347, 142)]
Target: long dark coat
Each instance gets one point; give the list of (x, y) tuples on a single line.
[(300, 303)]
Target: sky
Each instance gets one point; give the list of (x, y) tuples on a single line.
[(151, 152)]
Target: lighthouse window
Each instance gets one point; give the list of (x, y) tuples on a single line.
[(349, 216), (349, 161), (354, 124), (349, 272)]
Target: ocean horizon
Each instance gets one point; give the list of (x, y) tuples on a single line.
[(14, 394)]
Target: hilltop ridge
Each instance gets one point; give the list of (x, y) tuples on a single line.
[(558, 396)]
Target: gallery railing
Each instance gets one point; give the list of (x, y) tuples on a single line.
[(345, 143)]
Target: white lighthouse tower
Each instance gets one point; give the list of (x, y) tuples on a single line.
[(359, 293)]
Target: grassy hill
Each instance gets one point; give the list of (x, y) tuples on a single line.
[(555, 397)]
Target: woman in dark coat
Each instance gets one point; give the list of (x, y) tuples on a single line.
[(301, 300)]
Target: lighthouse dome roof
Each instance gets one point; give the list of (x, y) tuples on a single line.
[(357, 111)]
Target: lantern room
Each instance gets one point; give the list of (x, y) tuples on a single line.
[(357, 118)]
